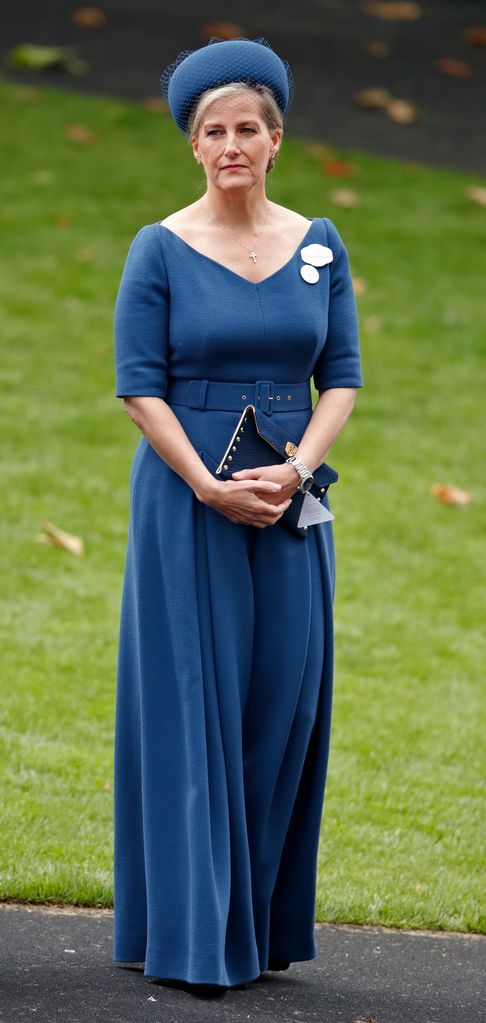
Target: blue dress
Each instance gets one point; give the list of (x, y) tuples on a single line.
[(225, 661)]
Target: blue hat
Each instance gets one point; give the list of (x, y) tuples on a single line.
[(231, 60)]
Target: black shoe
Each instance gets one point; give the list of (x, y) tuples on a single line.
[(277, 964), (206, 990)]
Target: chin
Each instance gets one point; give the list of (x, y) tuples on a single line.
[(238, 186), (231, 182)]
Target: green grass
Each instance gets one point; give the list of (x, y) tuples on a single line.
[(403, 828)]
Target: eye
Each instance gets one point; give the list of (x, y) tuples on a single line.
[(248, 129)]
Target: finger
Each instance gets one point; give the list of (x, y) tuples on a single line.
[(248, 473), (252, 484), (277, 510)]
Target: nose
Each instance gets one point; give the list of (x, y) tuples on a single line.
[(232, 146)]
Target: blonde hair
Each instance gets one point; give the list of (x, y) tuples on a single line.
[(269, 109)]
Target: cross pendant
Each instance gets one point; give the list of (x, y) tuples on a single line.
[(253, 256)]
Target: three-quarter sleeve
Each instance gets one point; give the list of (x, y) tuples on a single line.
[(141, 319), (339, 362)]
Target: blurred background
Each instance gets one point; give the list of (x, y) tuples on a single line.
[(386, 137), (345, 55)]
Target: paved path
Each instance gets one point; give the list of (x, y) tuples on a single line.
[(323, 42), (58, 966)]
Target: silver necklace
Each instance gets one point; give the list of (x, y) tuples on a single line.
[(252, 252)]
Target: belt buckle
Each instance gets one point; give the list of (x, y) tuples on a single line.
[(264, 395)]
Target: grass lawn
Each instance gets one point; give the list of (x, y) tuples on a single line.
[(403, 831)]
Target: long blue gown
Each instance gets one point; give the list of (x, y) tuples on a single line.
[(225, 663)]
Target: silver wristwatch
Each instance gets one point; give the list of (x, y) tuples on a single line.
[(306, 477)]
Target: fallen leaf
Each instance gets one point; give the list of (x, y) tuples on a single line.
[(373, 99), (392, 10), (158, 104), (447, 494), (335, 168), (63, 220), (223, 29), (377, 48), (372, 324), (344, 197), (359, 286), (42, 58), (402, 111), (108, 786), (59, 538), (85, 254), (79, 133), (475, 35), (477, 194), (318, 151), (453, 68), (28, 94), (88, 17)]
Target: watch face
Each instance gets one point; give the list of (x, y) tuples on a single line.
[(307, 484)]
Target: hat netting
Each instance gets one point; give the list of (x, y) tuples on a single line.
[(183, 90)]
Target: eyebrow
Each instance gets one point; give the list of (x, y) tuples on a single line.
[(217, 124)]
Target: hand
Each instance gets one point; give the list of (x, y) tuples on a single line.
[(286, 474), (257, 496)]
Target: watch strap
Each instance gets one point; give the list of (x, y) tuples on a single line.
[(302, 469)]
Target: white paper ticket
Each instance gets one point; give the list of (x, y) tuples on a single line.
[(313, 511)]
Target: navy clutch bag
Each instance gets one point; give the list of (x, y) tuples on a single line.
[(259, 440)]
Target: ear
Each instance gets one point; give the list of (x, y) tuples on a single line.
[(276, 138), (195, 149)]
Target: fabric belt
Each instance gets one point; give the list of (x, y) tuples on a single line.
[(265, 395)]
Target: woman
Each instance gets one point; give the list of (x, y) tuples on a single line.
[(226, 646)]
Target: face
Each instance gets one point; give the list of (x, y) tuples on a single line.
[(233, 142)]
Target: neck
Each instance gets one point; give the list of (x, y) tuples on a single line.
[(237, 209)]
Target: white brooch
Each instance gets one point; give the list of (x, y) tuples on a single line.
[(314, 256)]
